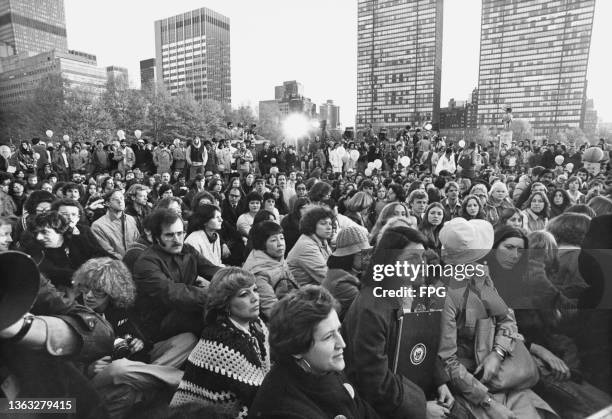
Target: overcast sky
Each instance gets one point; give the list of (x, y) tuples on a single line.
[(313, 42)]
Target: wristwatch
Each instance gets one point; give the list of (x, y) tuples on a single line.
[(486, 403)]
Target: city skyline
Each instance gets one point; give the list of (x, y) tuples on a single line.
[(272, 41)]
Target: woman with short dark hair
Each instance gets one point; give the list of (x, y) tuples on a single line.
[(308, 258), (203, 233), (267, 262), (230, 361), (291, 223), (254, 203), (306, 381), (63, 252)]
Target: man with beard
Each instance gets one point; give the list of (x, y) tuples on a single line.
[(171, 278)]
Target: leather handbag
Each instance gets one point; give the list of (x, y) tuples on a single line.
[(518, 370)]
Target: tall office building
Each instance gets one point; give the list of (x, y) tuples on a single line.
[(192, 53), (147, 73), (117, 73), (21, 76), (533, 58), (399, 62), (330, 113), (32, 26)]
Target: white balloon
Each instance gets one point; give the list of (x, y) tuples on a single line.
[(570, 167), (428, 127), (371, 165), (368, 171), (273, 170), (559, 159), (405, 161), (461, 143), (138, 134), (378, 163), (49, 133), (354, 155), (36, 156), (66, 137), (121, 134), (5, 151)]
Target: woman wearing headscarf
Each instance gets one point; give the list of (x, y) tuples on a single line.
[(306, 380), (230, 361), (346, 264), (470, 303), (522, 269)]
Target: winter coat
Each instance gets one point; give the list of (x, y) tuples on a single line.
[(308, 260), (273, 278)]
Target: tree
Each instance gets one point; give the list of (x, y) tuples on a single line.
[(269, 123), (521, 129), (84, 116)]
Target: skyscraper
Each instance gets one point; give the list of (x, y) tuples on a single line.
[(147, 73), (192, 52), (533, 58), (117, 73), (399, 62), (32, 26), (330, 113)]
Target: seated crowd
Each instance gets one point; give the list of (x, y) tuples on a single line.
[(253, 293)]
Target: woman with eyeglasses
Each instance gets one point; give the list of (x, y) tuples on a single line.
[(306, 380)]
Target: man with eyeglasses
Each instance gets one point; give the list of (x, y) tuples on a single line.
[(232, 207), (300, 192), (171, 278), (115, 230)]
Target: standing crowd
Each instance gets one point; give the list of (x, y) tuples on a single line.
[(239, 278)]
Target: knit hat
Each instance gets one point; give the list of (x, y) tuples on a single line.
[(465, 241), (351, 240)]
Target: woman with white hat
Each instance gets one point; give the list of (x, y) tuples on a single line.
[(345, 265), (471, 300)]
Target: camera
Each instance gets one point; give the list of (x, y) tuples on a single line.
[(121, 348)]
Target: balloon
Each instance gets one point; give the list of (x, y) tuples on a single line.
[(36, 156), (354, 155), (461, 143), (371, 165), (49, 133), (345, 158), (272, 160), (368, 172), (5, 151), (137, 134), (559, 159), (121, 134), (66, 137), (570, 167), (593, 155), (274, 170), (427, 127), (377, 163), (405, 161)]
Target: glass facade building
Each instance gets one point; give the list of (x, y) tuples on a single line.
[(32, 26), (21, 76), (147, 73), (533, 58), (192, 53), (399, 62)]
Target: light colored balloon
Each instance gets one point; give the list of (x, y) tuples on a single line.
[(570, 167), (405, 161), (354, 155), (36, 156), (378, 163), (49, 133), (593, 155), (5, 151), (273, 170), (345, 158), (428, 127), (138, 134), (461, 143), (559, 159), (368, 171), (66, 137), (371, 165), (121, 134)]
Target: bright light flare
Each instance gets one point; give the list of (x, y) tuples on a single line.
[(296, 126)]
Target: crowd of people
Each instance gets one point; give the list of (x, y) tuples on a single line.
[(238, 278)]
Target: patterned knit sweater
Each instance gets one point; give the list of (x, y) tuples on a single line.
[(226, 368)]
